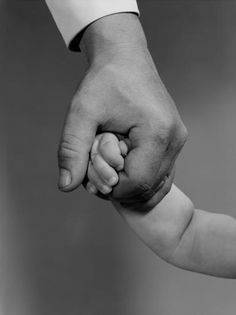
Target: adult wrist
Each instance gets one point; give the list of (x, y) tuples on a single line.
[(116, 34)]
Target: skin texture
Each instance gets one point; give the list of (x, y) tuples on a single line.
[(122, 93), (186, 237), (106, 160)]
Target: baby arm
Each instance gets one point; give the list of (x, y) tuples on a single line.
[(186, 237)]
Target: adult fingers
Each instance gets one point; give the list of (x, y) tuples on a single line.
[(157, 196), (76, 142), (146, 165)]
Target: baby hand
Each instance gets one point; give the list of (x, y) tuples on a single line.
[(106, 160)]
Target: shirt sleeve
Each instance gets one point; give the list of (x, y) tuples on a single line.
[(73, 16)]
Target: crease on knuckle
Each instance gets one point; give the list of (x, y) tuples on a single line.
[(147, 192), (143, 187)]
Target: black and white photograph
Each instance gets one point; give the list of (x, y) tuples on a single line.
[(117, 157)]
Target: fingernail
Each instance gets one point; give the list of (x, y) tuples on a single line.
[(64, 178), (92, 189), (120, 167), (106, 190), (113, 181)]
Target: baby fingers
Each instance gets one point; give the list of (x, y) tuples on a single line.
[(107, 174), (109, 149), (96, 181)]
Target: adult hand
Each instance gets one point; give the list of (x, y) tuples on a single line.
[(122, 93)]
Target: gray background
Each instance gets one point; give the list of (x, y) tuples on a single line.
[(71, 253)]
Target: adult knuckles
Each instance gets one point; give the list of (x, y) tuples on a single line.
[(169, 133), (146, 187), (183, 135), (149, 199), (165, 125), (179, 138), (159, 128), (142, 185)]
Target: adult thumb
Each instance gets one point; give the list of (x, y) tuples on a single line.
[(74, 148)]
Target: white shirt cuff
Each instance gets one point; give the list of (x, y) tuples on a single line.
[(72, 16)]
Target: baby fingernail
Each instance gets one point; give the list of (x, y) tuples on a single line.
[(113, 181), (106, 190), (120, 168), (92, 189)]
